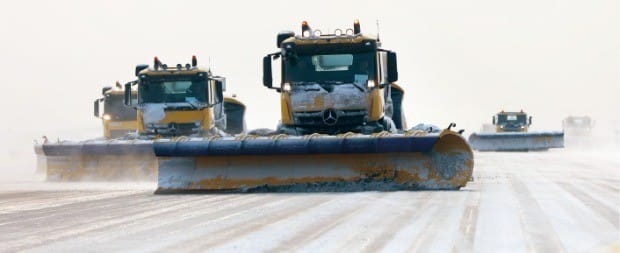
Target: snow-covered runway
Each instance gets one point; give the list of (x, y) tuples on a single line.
[(556, 201)]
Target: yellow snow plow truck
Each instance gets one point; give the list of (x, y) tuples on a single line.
[(118, 120), (171, 102), (342, 129), (183, 101), (512, 134)]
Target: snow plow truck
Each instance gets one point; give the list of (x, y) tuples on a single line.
[(117, 119), (512, 134), (342, 129), (169, 102), (578, 125)]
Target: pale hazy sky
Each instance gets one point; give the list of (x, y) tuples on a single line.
[(459, 61)]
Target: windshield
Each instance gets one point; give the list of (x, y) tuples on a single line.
[(173, 89), (115, 107), (330, 68), (511, 119)]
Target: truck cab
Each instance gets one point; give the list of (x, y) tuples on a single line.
[(183, 100), (118, 120), (512, 121), (335, 83)]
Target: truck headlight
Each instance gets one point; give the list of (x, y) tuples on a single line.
[(107, 117), (371, 84), (286, 87)]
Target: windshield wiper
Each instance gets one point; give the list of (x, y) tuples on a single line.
[(176, 105), (323, 84), (193, 105), (359, 87), (303, 83)]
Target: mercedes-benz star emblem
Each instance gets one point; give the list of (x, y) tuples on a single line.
[(330, 117)]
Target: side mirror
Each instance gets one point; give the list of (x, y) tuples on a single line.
[(493, 120), (105, 89), (284, 35), (128, 94), (267, 78), (392, 68), (223, 84), (215, 91), (530, 122), (140, 67), (96, 108), (219, 91)]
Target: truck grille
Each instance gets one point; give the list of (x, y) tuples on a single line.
[(173, 129), (316, 119)]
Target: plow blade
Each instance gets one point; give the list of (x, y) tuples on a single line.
[(516, 141), (98, 161), (324, 163)]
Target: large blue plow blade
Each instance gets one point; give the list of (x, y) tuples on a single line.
[(293, 146), (314, 163)]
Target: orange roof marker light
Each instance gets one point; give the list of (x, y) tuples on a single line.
[(356, 27), (305, 29), (156, 63)]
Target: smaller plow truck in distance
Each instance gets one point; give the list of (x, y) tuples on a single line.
[(169, 102), (118, 120), (342, 129), (512, 134), (578, 125)]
